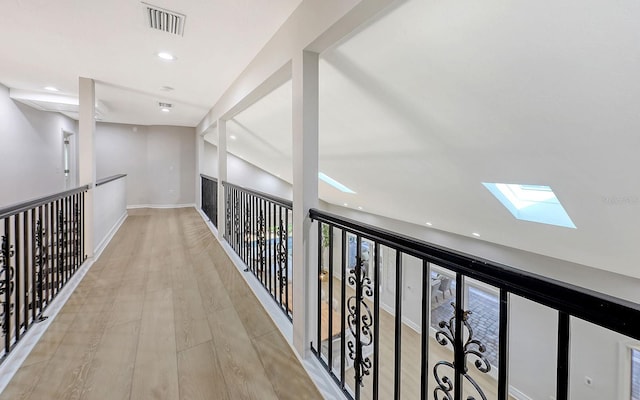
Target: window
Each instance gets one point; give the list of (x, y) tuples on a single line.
[(535, 203), (66, 156)]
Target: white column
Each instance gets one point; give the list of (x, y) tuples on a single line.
[(222, 175), (199, 161), (305, 195), (86, 154)]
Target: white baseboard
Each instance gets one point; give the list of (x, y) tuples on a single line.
[(405, 320), (103, 244), (518, 395), (134, 206)]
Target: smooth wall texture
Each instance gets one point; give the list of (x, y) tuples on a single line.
[(110, 208), (31, 145), (242, 173), (159, 162)]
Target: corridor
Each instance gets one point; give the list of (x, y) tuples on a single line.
[(163, 314)]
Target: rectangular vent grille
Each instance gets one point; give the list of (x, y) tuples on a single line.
[(164, 105), (164, 20)]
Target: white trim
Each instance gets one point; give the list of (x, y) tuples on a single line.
[(103, 244), (319, 376), (134, 206), (518, 395)]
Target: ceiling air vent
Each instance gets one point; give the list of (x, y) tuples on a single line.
[(164, 20)]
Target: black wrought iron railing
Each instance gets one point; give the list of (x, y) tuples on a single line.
[(258, 229), (41, 247), (210, 198), (367, 276)]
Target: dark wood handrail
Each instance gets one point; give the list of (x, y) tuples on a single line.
[(274, 199), (29, 204), (109, 179), (610, 312)]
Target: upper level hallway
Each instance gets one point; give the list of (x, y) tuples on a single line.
[(163, 314)]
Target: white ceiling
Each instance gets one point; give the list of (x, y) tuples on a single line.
[(52, 43), (434, 98)]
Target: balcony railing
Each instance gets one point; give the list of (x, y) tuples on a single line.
[(258, 229), (361, 334), (41, 247), (209, 194)]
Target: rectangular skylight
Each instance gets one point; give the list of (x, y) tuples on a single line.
[(326, 178), (535, 203)]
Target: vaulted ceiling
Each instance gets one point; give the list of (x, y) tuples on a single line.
[(417, 108), (431, 99)]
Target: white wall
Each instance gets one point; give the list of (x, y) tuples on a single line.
[(31, 158), (159, 162), (242, 173), (110, 207)]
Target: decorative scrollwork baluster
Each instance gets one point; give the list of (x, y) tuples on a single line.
[(282, 256), (227, 225), (6, 271), (471, 347), (61, 245), (262, 239), (236, 220), (361, 330), (40, 261)]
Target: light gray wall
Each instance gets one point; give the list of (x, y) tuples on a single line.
[(159, 162), (242, 173), (31, 143)]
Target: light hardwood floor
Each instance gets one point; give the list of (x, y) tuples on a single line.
[(163, 314)]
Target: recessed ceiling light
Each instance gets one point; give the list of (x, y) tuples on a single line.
[(232, 137), (476, 234), (346, 204), (51, 89), (359, 207), (165, 110), (166, 56), (429, 223)]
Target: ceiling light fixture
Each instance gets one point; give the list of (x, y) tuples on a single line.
[(359, 207), (51, 89), (232, 137), (165, 110), (429, 223), (476, 234), (166, 56), (346, 204)]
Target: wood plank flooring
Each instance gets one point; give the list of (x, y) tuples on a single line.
[(163, 314)]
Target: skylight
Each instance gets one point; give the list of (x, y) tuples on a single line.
[(535, 203), (334, 183)]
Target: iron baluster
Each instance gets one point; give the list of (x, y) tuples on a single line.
[(471, 347)]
